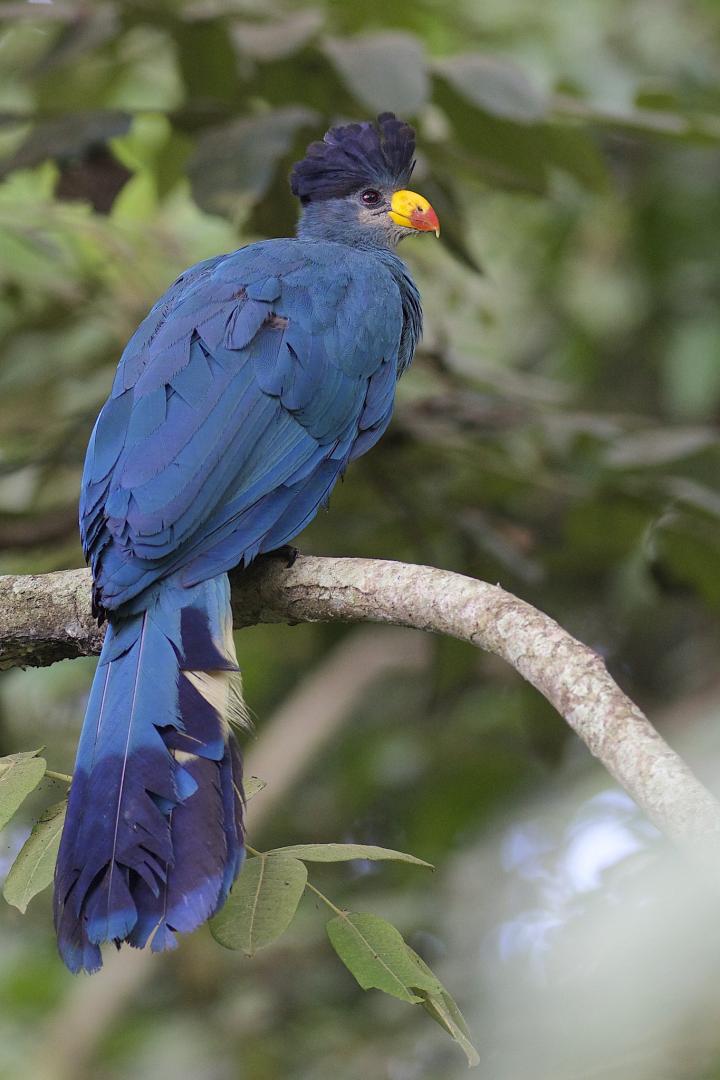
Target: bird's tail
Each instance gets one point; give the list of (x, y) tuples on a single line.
[(153, 837)]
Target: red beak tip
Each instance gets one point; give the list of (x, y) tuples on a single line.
[(425, 221)]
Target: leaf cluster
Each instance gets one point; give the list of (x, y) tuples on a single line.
[(263, 901)]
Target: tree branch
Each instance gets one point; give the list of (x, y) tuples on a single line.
[(47, 618)]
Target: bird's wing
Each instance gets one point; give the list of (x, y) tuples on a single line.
[(236, 405)]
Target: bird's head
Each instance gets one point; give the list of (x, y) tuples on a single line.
[(353, 186)]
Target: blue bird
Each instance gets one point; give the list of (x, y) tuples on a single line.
[(237, 404)]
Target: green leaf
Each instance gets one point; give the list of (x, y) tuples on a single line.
[(686, 554), (511, 151), (20, 755), (440, 191), (375, 953), (66, 137), (343, 852), (33, 868), (207, 60), (383, 71), (78, 37), (651, 123), (277, 38), (19, 775), (276, 213), (444, 1010), (573, 150), (308, 78), (496, 86), (691, 373), (261, 905), (658, 446), (252, 785), (236, 162), (503, 152), (153, 147)]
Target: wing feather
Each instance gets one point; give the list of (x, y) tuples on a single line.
[(237, 404)]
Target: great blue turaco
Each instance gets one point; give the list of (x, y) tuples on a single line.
[(237, 404)]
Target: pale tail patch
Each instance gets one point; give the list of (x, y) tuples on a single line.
[(224, 689)]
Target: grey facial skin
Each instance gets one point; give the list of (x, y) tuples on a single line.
[(351, 221)]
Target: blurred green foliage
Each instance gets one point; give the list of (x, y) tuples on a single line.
[(558, 432)]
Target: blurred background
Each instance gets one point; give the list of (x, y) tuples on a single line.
[(557, 434)]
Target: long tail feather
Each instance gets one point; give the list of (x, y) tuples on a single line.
[(153, 838)]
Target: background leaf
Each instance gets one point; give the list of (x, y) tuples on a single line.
[(237, 161), (66, 137), (277, 38), (494, 85), (383, 71)]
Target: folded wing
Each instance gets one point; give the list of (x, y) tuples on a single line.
[(237, 404)]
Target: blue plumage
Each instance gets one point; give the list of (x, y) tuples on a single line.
[(237, 404), (152, 746)]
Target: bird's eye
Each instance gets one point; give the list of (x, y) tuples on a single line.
[(370, 197)]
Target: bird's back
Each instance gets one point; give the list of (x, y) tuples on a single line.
[(237, 404)]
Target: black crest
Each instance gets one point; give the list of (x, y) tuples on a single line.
[(355, 156)]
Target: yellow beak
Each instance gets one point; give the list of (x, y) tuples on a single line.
[(413, 212)]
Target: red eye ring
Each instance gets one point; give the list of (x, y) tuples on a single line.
[(371, 196)]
